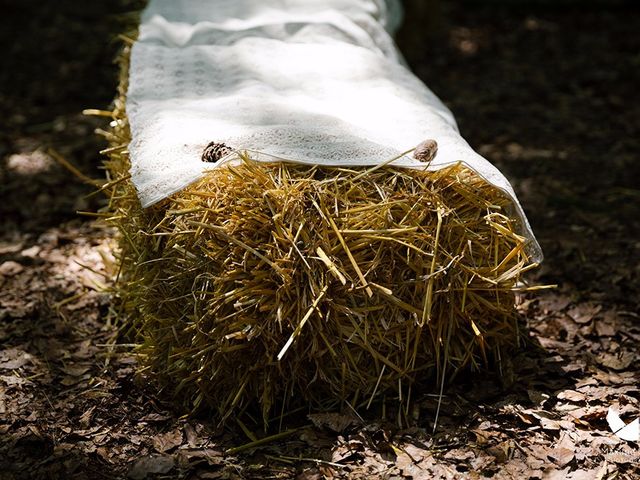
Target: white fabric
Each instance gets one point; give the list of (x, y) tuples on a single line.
[(310, 81)]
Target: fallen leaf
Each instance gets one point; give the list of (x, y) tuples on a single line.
[(418, 454), (516, 468), (85, 419), (482, 436), (346, 450), (584, 312), (502, 452), (572, 396), (76, 370), (152, 464), (31, 252), (10, 268), (601, 394), (541, 452), (336, 422), (481, 462), (564, 451), (14, 358), (593, 474), (554, 303), (10, 247), (606, 326), (617, 361), (155, 417), (167, 441), (408, 466), (623, 457), (192, 436), (460, 454), (208, 455), (13, 380), (69, 380), (546, 419), (309, 474), (609, 378)]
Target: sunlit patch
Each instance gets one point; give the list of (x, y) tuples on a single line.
[(88, 264), (29, 163), (533, 24), (465, 40)]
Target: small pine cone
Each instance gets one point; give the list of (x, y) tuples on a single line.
[(426, 151), (215, 151)]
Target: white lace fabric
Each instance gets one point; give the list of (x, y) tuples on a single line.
[(309, 81)]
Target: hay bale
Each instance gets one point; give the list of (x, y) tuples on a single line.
[(282, 285)]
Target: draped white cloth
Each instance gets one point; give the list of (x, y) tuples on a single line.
[(309, 81)]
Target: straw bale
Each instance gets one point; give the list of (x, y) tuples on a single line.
[(275, 285)]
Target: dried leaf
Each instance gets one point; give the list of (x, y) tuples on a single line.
[(336, 422), (10, 268), (76, 370), (152, 464), (210, 455), (191, 435), (13, 380), (547, 419), (572, 396), (155, 417), (346, 450), (564, 452), (167, 441), (408, 466), (554, 303), (85, 419), (584, 312), (617, 362), (14, 358), (623, 457), (607, 325), (502, 451)]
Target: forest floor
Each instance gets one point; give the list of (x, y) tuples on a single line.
[(549, 95)]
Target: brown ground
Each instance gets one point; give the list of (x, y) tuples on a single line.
[(548, 94)]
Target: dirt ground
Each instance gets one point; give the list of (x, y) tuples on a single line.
[(548, 94)]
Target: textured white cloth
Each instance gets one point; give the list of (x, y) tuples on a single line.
[(309, 81)]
